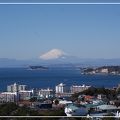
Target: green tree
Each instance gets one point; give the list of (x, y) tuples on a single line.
[(7, 109), (56, 102), (33, 99)]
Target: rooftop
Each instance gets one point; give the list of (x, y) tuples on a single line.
[(107, 107)]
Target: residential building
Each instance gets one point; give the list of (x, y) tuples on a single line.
[(26, 94), (16, 88), (80, 88), (46, 93), (61, 88), (9, 97), (22, 87)]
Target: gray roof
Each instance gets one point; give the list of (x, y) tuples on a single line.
[(107, 107)]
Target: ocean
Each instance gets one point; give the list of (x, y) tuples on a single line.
[(53, 76)]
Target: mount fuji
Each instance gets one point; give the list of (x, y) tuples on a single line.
[(53, 54), (57, 56)]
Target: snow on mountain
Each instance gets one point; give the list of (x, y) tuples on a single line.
[(53, 54)]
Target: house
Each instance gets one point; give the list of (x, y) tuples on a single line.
[(74, 110), (42, 105), (64, 102)]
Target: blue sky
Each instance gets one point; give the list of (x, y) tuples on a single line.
[(86, 31)]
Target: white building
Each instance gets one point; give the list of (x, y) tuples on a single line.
[(16, 96), (104, 70), (15, 87), (45, 93), (101, 96), (9, 97), (22, 87), (64, 102), (80, 88), (61, 88), (26, 94)]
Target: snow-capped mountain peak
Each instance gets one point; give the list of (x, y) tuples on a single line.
[(53, 54)]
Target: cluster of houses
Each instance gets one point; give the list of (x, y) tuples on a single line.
[(46, 99), (92, 106), (114, 70)]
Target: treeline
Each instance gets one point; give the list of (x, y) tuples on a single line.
[(11, 109)]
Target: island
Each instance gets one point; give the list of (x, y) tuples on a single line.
[(38, 68), (115, 70)]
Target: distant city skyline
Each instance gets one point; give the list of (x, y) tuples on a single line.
[(85, 31)]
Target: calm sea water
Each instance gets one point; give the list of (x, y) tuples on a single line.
[(52, 77)]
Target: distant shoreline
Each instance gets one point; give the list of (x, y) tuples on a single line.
[(104, 70)]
